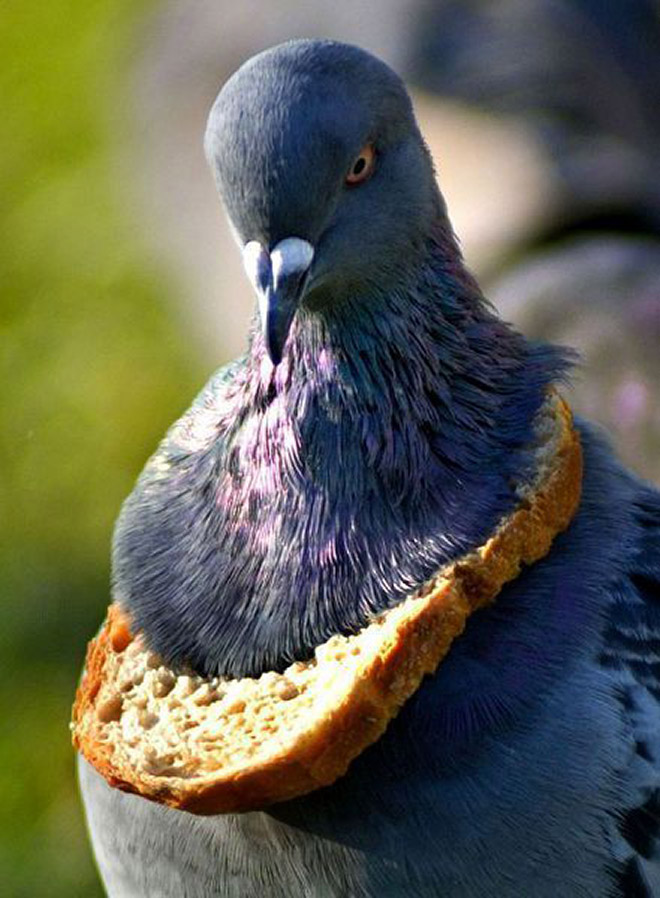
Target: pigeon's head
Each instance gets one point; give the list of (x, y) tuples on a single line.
[(325, 177)]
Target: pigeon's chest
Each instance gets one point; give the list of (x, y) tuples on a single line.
[(358, 501)]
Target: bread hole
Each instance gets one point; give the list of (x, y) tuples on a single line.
[(163, 683), (110, 709), (286, 690), (206, 695), (120, 636), (235, 707), (148, 719)]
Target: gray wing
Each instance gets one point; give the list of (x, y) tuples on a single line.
[(632, 647)]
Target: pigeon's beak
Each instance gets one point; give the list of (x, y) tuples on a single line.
[(279, 280)]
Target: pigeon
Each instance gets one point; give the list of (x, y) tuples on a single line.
[(372, 432)]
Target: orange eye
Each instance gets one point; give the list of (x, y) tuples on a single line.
[(363, 165)]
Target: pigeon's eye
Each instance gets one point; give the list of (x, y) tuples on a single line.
[(363, 165)]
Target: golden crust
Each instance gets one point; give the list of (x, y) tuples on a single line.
[(412, 640)]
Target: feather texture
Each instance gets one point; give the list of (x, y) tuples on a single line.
[(289, 504), (527, 764)]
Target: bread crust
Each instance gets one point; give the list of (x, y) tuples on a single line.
[(412, 639)]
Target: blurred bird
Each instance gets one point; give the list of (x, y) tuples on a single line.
[(374, 430), (600, 291), (583, 76)]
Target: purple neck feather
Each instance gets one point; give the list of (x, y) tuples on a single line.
[(385, 443)]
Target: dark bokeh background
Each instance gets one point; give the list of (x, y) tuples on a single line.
[(121, 289)]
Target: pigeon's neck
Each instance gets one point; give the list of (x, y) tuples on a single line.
[(388, 441), (402, 392)]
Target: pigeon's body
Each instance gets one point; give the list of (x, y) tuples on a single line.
[(376, 428), (528, 765)]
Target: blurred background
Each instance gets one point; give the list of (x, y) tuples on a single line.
[(121, 289)]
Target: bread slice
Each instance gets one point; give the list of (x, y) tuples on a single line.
[(212, 745)]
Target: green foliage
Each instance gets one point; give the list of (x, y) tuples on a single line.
[(94, 367)]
